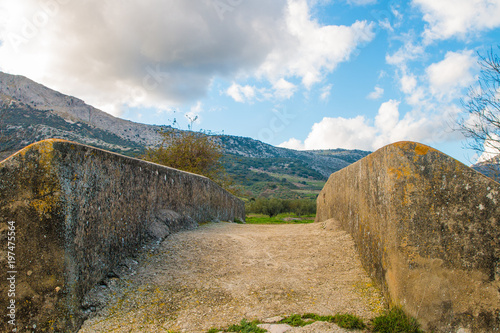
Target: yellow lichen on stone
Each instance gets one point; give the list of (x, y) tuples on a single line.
[(46, 196), (421, 149), (44, 207)]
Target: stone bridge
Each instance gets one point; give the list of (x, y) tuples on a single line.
[(425, 227)]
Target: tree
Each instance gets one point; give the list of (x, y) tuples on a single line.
[(192, 152), (480, 122), (275, 206)]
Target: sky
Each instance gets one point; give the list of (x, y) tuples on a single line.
[(301, 74)]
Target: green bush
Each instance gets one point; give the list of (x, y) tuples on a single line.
[(246, 327), (348, 321), (395, 321), (342, 320), (294, 320), (274, 206)]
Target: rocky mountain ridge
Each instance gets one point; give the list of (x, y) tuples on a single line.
[(19, 89)]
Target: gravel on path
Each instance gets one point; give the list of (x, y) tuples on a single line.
[(220, 273)]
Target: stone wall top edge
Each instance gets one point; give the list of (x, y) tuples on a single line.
[(58, 143), (418, 149)]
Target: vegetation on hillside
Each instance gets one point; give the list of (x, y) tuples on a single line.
[(275, 206), (284, 178), (283, 218), (21, 125)]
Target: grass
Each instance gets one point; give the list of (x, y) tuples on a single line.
[(395, 321), (347, 321), (244, 327), (392, 321), (278, 219)]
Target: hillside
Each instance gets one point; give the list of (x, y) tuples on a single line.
[(490, 168), (31, 112)]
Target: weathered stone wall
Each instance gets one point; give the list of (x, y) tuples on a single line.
[(428, 230), (78, 211)]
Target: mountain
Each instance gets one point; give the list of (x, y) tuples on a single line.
[(31, 112), (490, 168)]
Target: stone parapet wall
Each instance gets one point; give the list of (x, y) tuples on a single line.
[(427, 229), (78, 211)]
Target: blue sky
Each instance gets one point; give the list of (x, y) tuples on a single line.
[(300, 74)]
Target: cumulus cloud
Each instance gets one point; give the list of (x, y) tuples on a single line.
[(284, 89), (376, 94), (292, 144), (241, 93), (388, 116), (164, 53), (458, 18), (309, 50), (408, 83), (491, 149), (153, 53), (388, 127), (449, 76), (340, 132), (280, 90), (409, 51)]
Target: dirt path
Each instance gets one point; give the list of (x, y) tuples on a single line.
[(221, 273)]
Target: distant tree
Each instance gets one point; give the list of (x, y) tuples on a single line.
[(192, 152), (275, 206), (480, 122)]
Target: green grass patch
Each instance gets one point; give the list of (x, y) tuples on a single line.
[(244, 327), (347, 321), (295, 320), (392, 321), (395, 321), (285, 218)]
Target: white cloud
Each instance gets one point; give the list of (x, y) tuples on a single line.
[(458, 18), (491, 149), (325, 92), (292, 144), (281, 89), (388, 116), (165, 53), (284, 89), (340, 132), (309, 50), (241, 93), (376, 94), (388, 127), (409, 51), (408, 83), (449, 76), (415, 94)]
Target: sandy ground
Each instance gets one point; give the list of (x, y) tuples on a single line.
[(220, 273)]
